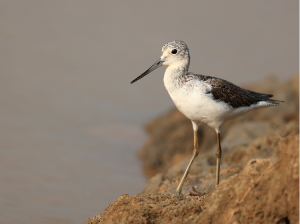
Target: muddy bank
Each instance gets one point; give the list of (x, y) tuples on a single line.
[(261, 192), (259, 170)]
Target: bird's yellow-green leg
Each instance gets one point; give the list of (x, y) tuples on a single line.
[(196, 152), (218, 156)]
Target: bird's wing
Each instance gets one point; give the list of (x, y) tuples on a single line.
[(231, 94)]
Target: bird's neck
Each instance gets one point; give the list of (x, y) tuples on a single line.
[(176, 70), (173, 75)]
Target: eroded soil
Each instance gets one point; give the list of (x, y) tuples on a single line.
[(259, 170)]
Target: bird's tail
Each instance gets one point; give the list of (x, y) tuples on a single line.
[(274, 102)]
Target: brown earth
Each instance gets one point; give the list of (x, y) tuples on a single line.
[(259, 171)]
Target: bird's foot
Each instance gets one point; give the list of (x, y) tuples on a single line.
[(178, 193)]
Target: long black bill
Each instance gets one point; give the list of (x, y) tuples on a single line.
[(152, 68)]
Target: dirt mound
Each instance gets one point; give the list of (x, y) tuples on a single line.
[(259, 179), (147, 208), (264, 191)]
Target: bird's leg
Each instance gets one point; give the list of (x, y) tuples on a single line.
[(218, 156), (196, 152)]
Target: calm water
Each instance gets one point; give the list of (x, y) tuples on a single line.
[(71, 123)]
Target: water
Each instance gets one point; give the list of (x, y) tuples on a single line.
[(71, 123)]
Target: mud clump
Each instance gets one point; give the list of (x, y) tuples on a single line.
[(259, 179), (148, 208)]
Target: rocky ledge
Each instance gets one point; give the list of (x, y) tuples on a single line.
[(259, 172)]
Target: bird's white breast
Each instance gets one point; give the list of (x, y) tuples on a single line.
[(192, 100)]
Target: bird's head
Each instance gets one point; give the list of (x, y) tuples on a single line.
[(175, 54)]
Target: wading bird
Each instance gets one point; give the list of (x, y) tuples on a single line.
[(203, 99)]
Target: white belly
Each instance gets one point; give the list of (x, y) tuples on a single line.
[(198, 106)]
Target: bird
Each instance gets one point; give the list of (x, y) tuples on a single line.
[(203, 99)]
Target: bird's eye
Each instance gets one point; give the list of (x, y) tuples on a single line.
[(174, 51)]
